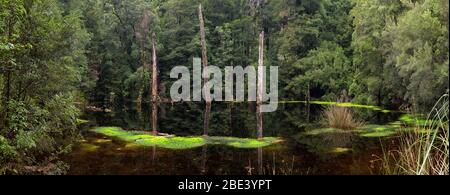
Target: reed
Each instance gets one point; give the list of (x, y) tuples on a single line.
[(341, 118), (423, 151)]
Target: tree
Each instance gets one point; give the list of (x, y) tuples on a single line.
[(418, 48), (42, 47), (371, 17)]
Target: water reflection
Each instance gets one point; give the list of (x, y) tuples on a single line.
[(204, 159), (299, 154)]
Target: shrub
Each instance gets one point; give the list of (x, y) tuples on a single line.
[(38, 133), (341, 118), (7, 154)]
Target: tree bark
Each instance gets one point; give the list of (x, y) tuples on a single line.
[(259, 117), (154, 87), (205, 71)]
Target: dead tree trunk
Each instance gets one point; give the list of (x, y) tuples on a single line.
[(259, 116), (154, 87), (205, 71)]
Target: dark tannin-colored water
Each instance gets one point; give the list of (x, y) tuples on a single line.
[(350, 154)]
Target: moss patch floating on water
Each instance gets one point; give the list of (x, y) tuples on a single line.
[(242, 142), (379, 134), (339, 150), (81, 121), (413, 120), (89, 147), (341, 104), (100, 141), (371, 130), (144, 139), (112, 131), (172, 143), (324, 131)]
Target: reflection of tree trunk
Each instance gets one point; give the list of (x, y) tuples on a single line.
[(308, 110), (154, 118), (274, 166), (204, 158), (154, 87), (154, 154), (249, 167), (259, 117), (308, 99), (205, 71), (260, 161), (230, 117), (206, 118)]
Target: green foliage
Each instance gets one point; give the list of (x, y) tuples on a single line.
[(42, 131), (8, 154), (42, 47), (401, 51), (377, 52), (420, 51), (55, 53), (326, 68)]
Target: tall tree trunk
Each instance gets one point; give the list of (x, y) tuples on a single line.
[(205, 71), (259, 117), (154, 87)]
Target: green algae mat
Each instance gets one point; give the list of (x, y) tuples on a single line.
[(340, 104), (405, 123), (146, 139)]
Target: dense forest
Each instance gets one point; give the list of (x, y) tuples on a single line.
[(59, 56)]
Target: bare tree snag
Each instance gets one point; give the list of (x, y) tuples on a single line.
[(154, 87), (259, 117), (205, 71)]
